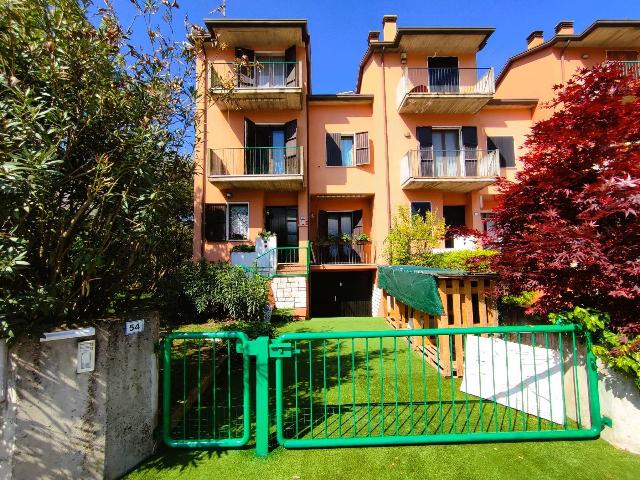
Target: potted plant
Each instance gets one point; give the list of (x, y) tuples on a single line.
[(363, 238), (266, 240)]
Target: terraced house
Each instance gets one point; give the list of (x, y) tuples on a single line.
[(426, 127)]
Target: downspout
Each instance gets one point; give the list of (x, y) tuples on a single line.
[(562, 60), (386, 140), (204, 155)]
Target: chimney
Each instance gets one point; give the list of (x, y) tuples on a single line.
[(389, 27), (564, 28), (534, 39), (374, 36)]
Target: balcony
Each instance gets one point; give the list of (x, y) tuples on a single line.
[(631, 68), (256, 86), (444, 90), (265, 168), (342, 253), (453, 170)]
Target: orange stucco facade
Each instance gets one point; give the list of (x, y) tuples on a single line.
[(418, 90)]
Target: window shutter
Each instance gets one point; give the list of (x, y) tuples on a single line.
[(425, 137), (249, 153), (290, 56), (292, 165), (470, 137), (357, 227), (506, 147), (362, 148), (322, 224), (334, 156), (245, 73), (215, 223)]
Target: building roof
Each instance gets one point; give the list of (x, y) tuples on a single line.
[(341, 98), (216, 26), (470, 40), (601, 33)]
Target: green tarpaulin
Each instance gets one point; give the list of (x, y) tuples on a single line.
[(414, 286)]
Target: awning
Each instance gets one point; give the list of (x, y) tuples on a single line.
[(414, 286)]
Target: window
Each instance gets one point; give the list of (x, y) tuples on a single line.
[(622, 55), (346, 150), (488, 222), (215, 223), (420, 208), (339, 223), (238, 221), (220, 219)]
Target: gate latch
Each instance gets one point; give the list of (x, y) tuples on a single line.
[(282, 350)]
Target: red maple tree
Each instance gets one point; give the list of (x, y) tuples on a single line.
[(569, 227)]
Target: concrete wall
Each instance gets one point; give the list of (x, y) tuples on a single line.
[(57, 423)]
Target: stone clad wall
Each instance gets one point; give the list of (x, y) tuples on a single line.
[(289, 292)]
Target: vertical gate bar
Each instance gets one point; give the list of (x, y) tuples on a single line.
[(575, 379), (184, 389), (339, 404), (213, 393), (166, 390), (506, 356), (395, 369), (324, 390), (524, 414), (424, 387), (262, 395), (229, 387), (493, 379), (546, 344), (564, 405), (592, 385), (366, 348), (353, 385), (295, 382), (310, 390), (535, 376), (466, 389), (439, 380), (381, 389), (453, 386), (480, 389), (199, 375), (411, 423)]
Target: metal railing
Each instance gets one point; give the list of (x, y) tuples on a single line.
[(283, 261), (631, 68), (446, 81), (256, 161), (256, 75), (470, 162), (339, 389), (387, 387), (342, 253)]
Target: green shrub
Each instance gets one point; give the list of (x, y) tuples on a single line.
[(616, 350), (475, 261), (223, 291), (253, 328), (523, 299)]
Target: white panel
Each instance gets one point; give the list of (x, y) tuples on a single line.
[(487, 360)]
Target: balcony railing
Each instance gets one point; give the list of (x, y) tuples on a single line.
[(256, 76), (341, 253), (275, 161), (446, 81), (470, 162), (631, 68)]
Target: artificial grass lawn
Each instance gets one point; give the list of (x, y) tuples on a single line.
[(587, 459)]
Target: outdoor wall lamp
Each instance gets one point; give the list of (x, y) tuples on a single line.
[(403, 58)]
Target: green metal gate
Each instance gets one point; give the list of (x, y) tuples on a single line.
[(340, 389)]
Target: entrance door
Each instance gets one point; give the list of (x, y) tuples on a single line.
[(341, 294), (454, 216), (443, 74), (283, 221)]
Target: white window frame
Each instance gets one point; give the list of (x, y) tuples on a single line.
[(228, 215), (353, 151)]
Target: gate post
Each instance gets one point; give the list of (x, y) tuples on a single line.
[(261, 352)]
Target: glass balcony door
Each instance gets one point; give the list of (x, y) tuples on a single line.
[(446, 153), (271, 72)]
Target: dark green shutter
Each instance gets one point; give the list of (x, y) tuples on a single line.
[(334, 155), (290, 58), (470, 137), (322, 224), (425, 137), (356, 224), (506, 147), (215, 223)]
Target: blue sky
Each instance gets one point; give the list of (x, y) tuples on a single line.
[(339, 28)]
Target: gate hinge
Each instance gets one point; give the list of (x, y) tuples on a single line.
[(607, 422), (282, 350)]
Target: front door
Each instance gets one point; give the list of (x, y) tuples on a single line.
[(454, 216), (283, 221)]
